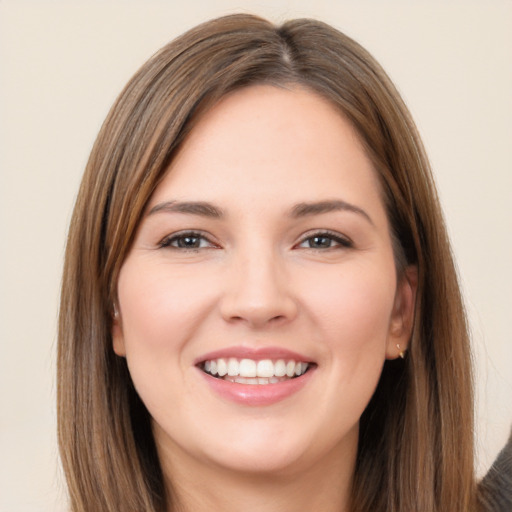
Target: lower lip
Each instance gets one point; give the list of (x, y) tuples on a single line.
[(257, 394)]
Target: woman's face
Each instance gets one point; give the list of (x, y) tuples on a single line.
[(265, 252)]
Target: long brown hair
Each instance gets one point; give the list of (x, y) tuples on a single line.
[(416, 438)]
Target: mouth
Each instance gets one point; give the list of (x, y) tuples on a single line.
[(256, 372)]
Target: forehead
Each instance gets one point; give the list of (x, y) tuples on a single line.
[(271, 144)]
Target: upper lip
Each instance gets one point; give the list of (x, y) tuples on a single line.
[(255, 353)]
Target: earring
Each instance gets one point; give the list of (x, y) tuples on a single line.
[(401, 352), (115, 312)]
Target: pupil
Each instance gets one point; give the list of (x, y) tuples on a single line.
[(188, 241), (321, 241)]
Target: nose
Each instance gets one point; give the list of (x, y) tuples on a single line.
[(257, 292)]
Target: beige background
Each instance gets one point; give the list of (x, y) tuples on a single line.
[(62, 64)]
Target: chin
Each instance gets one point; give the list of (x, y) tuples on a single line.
[(261, 461), (275, 449)]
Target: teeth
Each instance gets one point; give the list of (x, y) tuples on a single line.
[(222, 367), (280, 368), (249, 371), (248, 368), (233, 367), (256, 380), (265, 368)]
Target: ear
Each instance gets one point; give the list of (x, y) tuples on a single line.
[(402, 318), (117, 333)]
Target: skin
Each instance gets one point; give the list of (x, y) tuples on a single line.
[(259, 278)]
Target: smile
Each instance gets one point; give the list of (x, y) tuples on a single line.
[(258, 377), (251, 371)]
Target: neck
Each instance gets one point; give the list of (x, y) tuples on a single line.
[(323, 487)]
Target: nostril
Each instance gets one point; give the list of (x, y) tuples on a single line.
[(257, 297), (258, 319), (257, 315), (277, 318)]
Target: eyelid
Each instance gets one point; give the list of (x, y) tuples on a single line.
[(342, 240), (165, 243)]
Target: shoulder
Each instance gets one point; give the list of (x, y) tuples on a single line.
[(495, 489)]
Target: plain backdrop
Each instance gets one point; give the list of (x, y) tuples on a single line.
[(63, 63)]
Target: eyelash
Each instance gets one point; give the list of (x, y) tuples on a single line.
[(169, 240), (340, 241)]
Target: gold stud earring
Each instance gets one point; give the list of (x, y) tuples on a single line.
[(401, 352)]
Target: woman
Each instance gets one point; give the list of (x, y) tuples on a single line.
[(259, 304)]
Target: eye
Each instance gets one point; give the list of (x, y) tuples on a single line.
[(187, 240), (325, 240)]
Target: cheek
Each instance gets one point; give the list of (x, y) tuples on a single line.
[(160, 307), (161, 310), (354, 305), (352, 313)]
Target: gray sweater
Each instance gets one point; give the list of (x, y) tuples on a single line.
[(495, 489)]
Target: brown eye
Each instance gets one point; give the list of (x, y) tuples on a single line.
[(320, 242), (191, 241), (187, 242), (325, 241)]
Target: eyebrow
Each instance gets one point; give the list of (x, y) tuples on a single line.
[(205, 209), (317, 208), (200, 208)]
